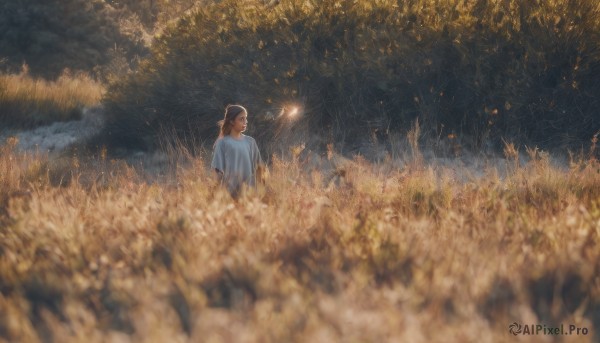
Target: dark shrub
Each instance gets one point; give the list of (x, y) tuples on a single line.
[(482, 70), (51, 35)]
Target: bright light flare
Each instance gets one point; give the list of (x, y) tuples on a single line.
[(293, 112), (290, 113)]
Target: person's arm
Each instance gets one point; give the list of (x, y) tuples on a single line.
[(262, 172), (218, 162), (219, 175)]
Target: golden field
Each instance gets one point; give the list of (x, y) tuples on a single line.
[(91, 251), (410, 249), (27, 101)]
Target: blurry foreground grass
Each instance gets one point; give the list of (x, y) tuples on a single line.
[(28, 102), (380, 253)]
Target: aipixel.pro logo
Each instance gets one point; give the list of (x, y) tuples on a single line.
[(539, 329)]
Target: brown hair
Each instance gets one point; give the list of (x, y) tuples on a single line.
[(231, 112)]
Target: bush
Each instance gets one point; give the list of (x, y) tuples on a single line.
[(50, 36), (481, 70)]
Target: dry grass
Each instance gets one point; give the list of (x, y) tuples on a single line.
[(28, 102), (381, 255)]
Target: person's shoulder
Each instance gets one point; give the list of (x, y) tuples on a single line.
[(221, 141), (252, 142), (249, 139)]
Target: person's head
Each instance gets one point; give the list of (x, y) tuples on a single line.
[(235, 119)]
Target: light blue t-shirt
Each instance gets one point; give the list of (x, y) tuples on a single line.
[(238, 160)]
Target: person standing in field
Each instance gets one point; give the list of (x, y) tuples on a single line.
[(236, 158)]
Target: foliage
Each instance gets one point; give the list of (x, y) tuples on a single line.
[(50, 36), (405, 254), (155, 13), (481, 70)]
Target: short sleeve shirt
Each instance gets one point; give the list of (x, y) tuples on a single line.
[(238, 160)]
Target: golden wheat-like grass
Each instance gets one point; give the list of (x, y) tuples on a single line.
[(27, 101), (381, 254)]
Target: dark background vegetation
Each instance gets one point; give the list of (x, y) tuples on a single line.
[(103, 37), (49, 36), (481, 70)]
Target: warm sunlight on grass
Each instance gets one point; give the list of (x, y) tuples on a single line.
[(27, 102), (451, 244), (363, 253)]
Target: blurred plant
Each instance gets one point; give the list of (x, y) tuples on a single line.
[(120, 257)]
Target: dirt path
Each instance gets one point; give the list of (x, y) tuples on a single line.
[(57, 136)]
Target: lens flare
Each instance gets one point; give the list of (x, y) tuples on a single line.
[(289, 113)]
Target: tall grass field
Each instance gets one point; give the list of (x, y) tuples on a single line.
[(396, 251), (421, 193)]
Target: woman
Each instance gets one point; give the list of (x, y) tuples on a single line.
[(236, 158)]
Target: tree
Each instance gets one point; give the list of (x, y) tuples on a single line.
[(51, 35)]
